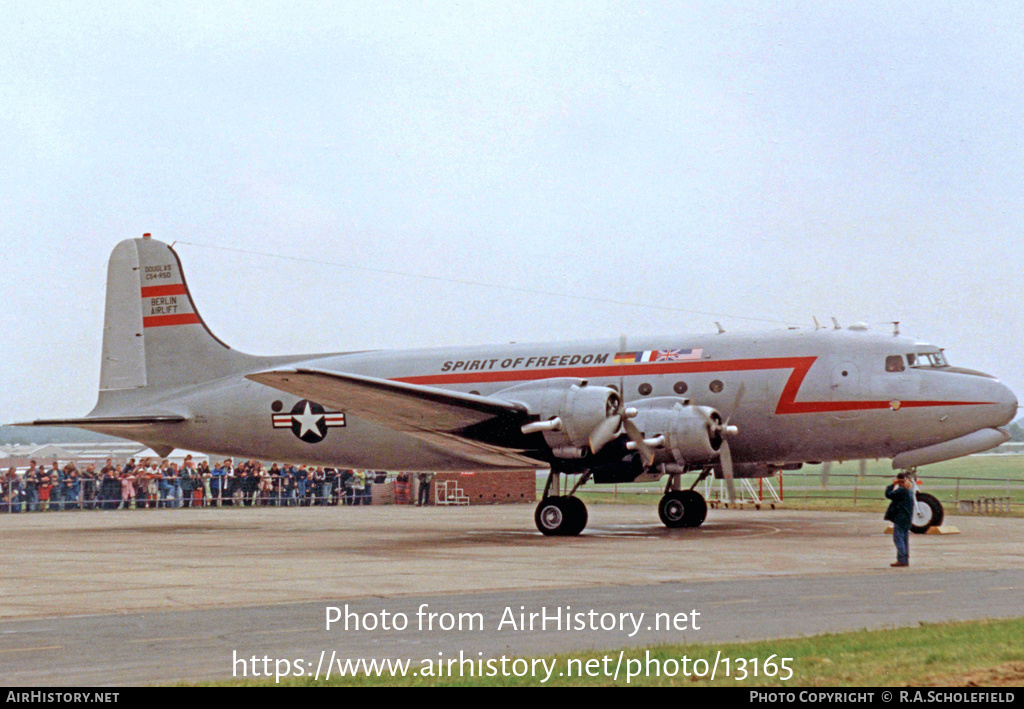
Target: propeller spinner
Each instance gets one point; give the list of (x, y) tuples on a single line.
[(619, 418)]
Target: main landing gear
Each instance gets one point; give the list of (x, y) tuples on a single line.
[(682, 508), (566, 515), (561, 515)]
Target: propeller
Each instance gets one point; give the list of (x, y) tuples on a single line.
[(619, 417), (636, 439), (608, 429), (722, 431), (719, 431), (725, 458), (826, 470)]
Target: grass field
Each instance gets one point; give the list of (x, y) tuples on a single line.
[(986, 654)]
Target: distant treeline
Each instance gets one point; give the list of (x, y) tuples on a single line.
[(1016, 431)]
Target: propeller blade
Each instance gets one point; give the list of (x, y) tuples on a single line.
[(604, 432), (863, 468), (725, 457), (637, 438), (722, 431), (826, 468), (740, 391)]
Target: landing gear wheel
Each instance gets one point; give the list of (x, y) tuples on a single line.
[(927, 513), (577, 515), (560, 516), (682, 508)]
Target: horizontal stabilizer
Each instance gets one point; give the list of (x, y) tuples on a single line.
[(107, 421), (149, 430)]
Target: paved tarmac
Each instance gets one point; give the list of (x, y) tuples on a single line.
[(136, 597)]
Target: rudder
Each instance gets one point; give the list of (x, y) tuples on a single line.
[(153, 336)]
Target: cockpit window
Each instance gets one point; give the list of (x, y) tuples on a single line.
[(927, 359), (894, 363)]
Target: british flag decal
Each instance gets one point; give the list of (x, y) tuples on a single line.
[(670, 355)]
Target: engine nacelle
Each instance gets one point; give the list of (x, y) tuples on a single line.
[(677, 431), (569, 410)]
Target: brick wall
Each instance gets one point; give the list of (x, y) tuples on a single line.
[(516, 486)]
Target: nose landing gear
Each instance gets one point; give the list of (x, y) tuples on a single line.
[(928, 512)]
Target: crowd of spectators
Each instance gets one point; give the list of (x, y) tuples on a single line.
[(159, 483)]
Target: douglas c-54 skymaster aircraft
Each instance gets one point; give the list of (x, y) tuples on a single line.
[(731, 405)]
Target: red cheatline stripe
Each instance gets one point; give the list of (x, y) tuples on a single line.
[(787, 403), (610, 370), (169, 289), (176, 319)]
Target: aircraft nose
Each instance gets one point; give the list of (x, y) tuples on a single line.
[(1002, 402), (1006, 404)]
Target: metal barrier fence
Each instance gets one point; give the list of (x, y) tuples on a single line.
[(93, 494), (961, 494), (958, 494)]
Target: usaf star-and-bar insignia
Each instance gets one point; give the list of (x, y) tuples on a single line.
[(309, 421)]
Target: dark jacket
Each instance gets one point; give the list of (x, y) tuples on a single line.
[(901, 509)]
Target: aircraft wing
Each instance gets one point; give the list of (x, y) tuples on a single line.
[(435, 415)]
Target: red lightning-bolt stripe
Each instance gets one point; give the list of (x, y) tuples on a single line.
[(787, 403)]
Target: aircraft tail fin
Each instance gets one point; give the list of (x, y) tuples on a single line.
[(153, 335)]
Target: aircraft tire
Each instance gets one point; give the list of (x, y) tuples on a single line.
[(682, 508), (929, 513), (560, 516), (577, 514)]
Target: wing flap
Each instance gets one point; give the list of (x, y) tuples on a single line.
[(482, 455)]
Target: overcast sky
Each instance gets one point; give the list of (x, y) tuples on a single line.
[(758, 164)]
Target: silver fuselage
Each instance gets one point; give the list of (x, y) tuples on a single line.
[(795, 395)]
